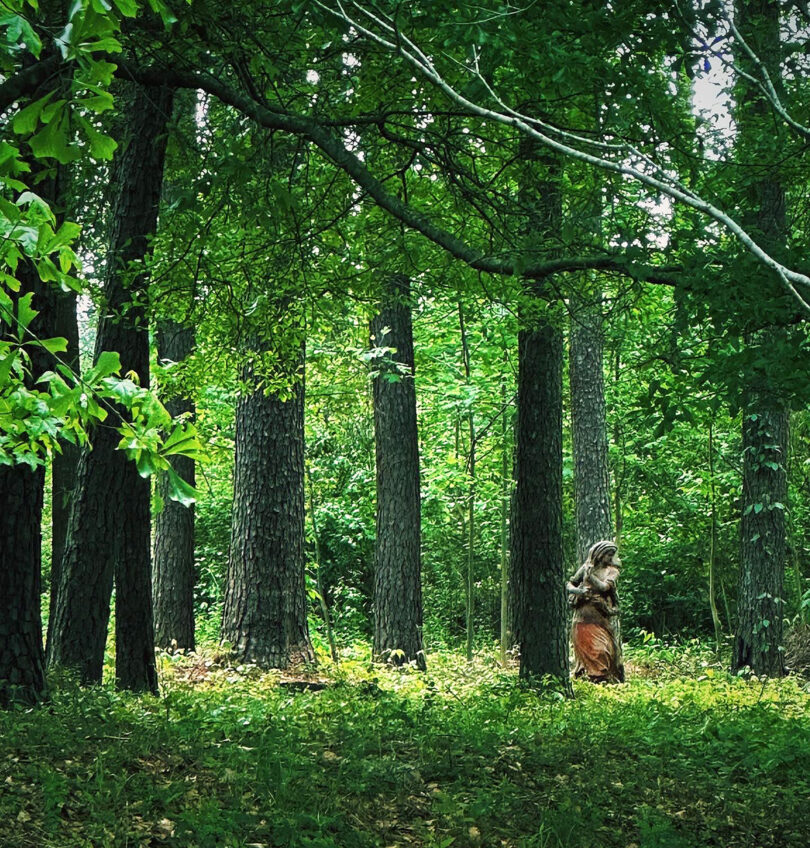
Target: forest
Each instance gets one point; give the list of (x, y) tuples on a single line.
[(404, 432)]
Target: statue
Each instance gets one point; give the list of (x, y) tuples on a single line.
[(595, 625)]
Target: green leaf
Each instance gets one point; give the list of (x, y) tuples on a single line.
[(128, 8), (52, 142), (26, 120), (25, 314), (108, 362), (104, 45), (65, 235), (145, 463), (183, 441), (124, 391), (51, 111), (5, 367), (54, 345), (179, 490), (102, 146)]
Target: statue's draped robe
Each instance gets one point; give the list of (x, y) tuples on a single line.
[(595, 630)]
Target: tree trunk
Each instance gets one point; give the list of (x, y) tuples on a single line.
[(63, 465), (398, 558), (718, 630), (506, 486), (760, 603), (470, 575), (760, 606), (173, 560), (22, 662), (589, 429), (57, 314), (265, 613), (108, 531), (537, 572)]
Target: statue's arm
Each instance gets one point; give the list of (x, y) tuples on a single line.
[(604, 586), (579, 575)]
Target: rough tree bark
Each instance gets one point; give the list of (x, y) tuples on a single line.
[(537, 571), (108, 531), (589, 428), (265, 612), (398, 556), (63, 465), (173, 560), (22, 662), (760, 605)]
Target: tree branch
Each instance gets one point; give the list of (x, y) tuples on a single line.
[(413, 55), (27, 81), (335, 150)]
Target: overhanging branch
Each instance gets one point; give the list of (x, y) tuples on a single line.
[(335, 150), (397, 42)]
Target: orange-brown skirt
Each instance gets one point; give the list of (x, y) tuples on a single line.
[(595, 652)]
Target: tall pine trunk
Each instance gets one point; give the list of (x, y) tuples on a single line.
[(398, 556), (64, 464), (537, 571), (760, 602), (589, 428), (760, 605), (265, 612), (173, 560), (470, 573), (108, 532), (22, 662), (587, 379)]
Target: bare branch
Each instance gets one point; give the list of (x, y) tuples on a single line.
[(765, 84)]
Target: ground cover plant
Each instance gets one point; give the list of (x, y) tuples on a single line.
[(684, 754)]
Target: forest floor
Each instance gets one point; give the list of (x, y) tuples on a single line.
[(681, 755)]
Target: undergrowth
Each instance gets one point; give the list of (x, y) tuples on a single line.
[(682, 755)]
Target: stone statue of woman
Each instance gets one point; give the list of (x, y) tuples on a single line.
[(595, 625)]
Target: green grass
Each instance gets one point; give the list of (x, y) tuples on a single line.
[(682, 755)]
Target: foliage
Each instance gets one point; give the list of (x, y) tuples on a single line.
[(33, 419), (458, 756)]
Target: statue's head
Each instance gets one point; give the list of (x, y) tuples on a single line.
[(604, 553)]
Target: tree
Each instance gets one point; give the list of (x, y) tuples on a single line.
[(587, 382), (22, 661), (64, 463), (265, 613), (398, 556), (537, 570), (589, 429), (173, 559), (758, 637), (622, 158), (102, 543)]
